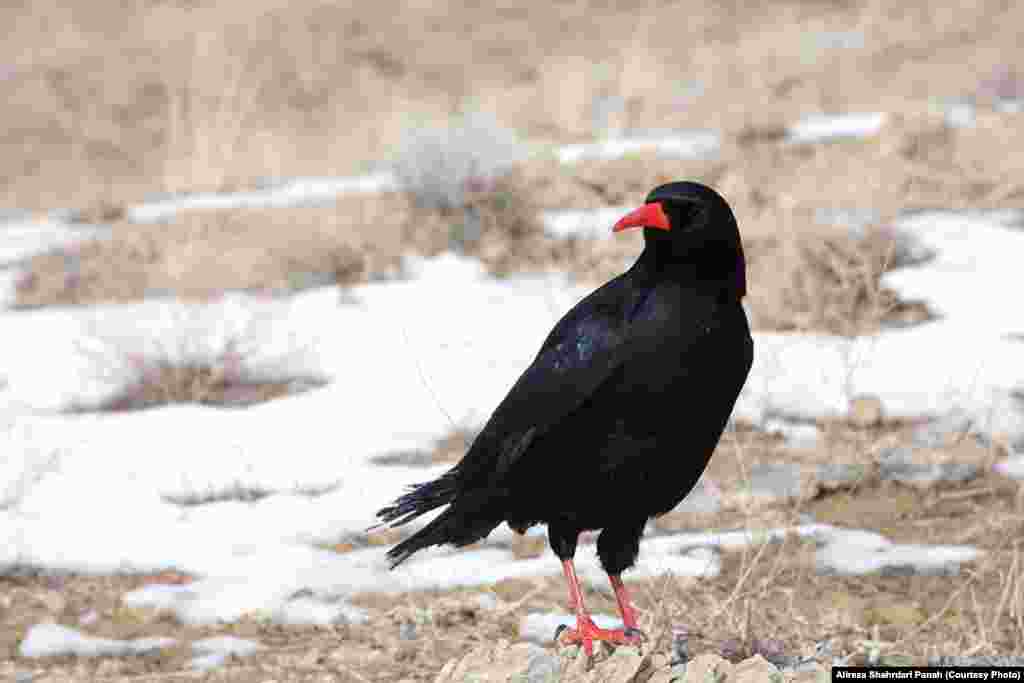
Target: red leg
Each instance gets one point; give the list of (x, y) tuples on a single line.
[(625, 606), (586, 632)]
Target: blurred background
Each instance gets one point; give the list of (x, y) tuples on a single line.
[(106, 105)]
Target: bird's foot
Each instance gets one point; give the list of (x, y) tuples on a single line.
[(586, 632)]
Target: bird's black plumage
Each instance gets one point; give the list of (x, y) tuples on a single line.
[(617, 416)]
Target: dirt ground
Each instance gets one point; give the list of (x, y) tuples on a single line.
[(105, 104), (763, 592)]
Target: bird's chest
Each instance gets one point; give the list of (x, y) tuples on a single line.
[(689, 378)]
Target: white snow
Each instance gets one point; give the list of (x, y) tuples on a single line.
[(582, 223), (693, 144), (227, 644), (311, 191), (51, 640), (1012, 466), (903, 558), (23, 236), (821, 127), (796, 435), (406, 362)]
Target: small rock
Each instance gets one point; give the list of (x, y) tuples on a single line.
[(1012, 467), (627, 665), (775, 480), (407, 631), (865, 411), (384, 537), (542, 668), (228, 645), (486, 601), (707, 668), (896, 464), (942, 431), (502, 662), (960, 115), (756, 669), (52, 600), (512, 589), (680, 645), (661, 676), (811, 673), (767, 647), (528, 547), (528, 663), (902, 614), (834, 475), (659, 661), (678, 671), (797, 435), (732, 649)]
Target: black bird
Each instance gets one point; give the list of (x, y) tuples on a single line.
[(617, 416)]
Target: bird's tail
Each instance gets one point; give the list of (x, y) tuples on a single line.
[(469, 518), (422, 498)]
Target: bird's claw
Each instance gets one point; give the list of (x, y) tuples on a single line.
[(635, 634), (586, 632)]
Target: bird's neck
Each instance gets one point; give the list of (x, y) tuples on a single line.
[(717, 268)]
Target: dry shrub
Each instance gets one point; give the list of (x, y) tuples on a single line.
[(221, 381), (267, 250), (497, 223), (828, 283), (196, 369), (163, 382)]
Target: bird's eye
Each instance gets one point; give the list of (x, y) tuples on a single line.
[(689, 215)]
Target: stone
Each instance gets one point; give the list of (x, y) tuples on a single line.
[(834, 475), (502, 662), (708, 668), (899, 465), (52, 600), (756, 669), (528, 547), (775, 480), (529, 663), (865, 411)]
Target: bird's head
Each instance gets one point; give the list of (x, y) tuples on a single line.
[(690, 224)]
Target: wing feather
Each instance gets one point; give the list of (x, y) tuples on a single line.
[(581, 353)]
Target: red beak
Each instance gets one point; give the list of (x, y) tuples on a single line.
[(647, 216)]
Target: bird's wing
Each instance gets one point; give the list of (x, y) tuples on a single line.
[(581, 352)]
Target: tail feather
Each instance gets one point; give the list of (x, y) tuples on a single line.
[(471, 516), (422, 498), (459, 525)]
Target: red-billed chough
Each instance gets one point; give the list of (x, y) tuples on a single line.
[(617, 416)]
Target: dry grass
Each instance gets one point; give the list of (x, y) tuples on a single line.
[(203, 253), (816, 280), (128, 100), (200, 369)]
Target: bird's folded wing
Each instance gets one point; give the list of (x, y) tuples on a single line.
[(580, 354)]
